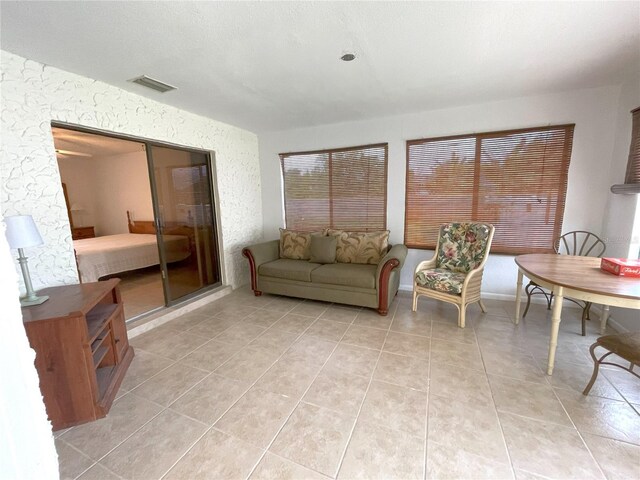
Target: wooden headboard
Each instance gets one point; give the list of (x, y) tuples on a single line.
[(140, 226), (66, 201)]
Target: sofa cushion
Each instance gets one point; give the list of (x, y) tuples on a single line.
[(295, 245), (290, 269), (442, 280), (323, 249), (347, 274), (361, 247)]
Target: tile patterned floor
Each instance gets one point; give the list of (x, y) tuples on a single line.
[(275, 388)]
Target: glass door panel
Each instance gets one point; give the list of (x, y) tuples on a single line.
[(185, 220)]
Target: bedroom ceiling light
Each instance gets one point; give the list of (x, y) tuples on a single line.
[(348, 57), (60, 151), (153, 84)]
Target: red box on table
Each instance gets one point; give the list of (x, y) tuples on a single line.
[(625, 267)]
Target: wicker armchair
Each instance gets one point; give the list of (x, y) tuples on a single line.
[(454, 274)]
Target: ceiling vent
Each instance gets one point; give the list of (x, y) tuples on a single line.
[(153, 84)]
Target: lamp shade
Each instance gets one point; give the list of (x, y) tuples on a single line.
[(22, 231)]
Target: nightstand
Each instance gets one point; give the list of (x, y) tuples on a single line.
[(82, 232)]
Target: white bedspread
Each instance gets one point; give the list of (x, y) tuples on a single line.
[(111, 254)]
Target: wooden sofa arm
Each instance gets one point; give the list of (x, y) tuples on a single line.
[(393, 259), (257, 255)]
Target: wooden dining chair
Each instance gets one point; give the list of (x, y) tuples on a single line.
[(579, 243), (624, 345)]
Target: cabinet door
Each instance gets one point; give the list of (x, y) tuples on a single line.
[(120, 333)]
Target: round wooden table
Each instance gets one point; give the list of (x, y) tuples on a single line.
[(579, 278)]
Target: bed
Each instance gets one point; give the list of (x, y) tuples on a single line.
[(100, 256)]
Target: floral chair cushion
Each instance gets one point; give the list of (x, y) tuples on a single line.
[(462, 246), (442, 280)]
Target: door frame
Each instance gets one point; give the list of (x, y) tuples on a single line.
[(213, 185)]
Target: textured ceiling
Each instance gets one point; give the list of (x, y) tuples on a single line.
[(275, 65)]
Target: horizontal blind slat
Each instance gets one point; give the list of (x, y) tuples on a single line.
[(633, 166)]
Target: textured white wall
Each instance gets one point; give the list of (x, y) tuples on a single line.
[(34, 94), (26, 443), (593, 111)]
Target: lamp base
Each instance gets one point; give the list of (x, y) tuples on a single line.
[(29, 302)]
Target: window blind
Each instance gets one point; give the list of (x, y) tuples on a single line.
[(633, 166), (339, 188), (516, 180)]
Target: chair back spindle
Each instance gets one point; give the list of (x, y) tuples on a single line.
[(580, 243)]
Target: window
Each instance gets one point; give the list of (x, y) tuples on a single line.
[(516, 180), (342, 188)]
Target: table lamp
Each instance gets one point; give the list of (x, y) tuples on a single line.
[(78, 209), (22, 233)]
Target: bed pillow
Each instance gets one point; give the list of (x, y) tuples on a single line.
[(361, 247), (295, 245), (323, 249)]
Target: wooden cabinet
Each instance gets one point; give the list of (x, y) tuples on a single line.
[(82, 350), (82, 232)]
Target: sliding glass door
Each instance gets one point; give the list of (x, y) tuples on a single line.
[(185, 220)]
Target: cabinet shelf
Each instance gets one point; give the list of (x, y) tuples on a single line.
[(97, 342), (98, 317), (99, 355)]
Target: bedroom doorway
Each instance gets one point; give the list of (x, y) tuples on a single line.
[(141, 211)]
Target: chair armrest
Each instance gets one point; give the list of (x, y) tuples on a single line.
[(399, 254), (471, 274), (259, 254), (426, 264)]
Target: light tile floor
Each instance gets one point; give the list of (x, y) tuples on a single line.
[(272, 387)]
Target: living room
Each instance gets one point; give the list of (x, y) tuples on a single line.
[(270, 80)]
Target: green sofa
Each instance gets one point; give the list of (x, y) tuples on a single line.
[(372, 286)]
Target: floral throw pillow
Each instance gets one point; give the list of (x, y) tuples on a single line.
[(361, 247), (462, 246), (296, 245)]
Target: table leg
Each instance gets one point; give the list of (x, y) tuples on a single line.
[(603, 319), (518, 294), (555, 326)]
